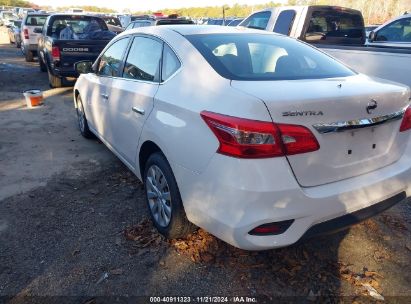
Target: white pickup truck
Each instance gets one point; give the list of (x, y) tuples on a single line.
[(339, 32)]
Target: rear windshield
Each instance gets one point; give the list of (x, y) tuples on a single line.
[(17, 23), (78, 27), (9, 16), (36, 20), (265, 57), (174, 21), (112, 21), (335, 27)]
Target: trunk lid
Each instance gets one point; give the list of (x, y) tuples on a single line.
[(313, 103)]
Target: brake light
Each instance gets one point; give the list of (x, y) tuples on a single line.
[(406, 120), (246, 138), (55, 53), (26, 34)]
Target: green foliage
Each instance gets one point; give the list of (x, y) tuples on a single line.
[(88, 8), (17, 3)]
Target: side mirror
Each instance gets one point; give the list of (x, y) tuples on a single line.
[(38, 30), (371, 36), (84, 67)]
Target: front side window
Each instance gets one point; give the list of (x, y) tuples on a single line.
[(398, 31), (333, 27), (110, 61), (265, 57), (170, 63), (143, 60), (285, 22), (257, 20)]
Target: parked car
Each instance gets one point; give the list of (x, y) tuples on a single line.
[(394, 33), (29, 38), (369, 29), (6, 18), (14, 33), (113, 24), (258, 138), (235, 22), (66, 39), (157, 21), (217, 21), (339, 32)]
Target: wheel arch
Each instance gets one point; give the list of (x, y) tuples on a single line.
[(147, 148)]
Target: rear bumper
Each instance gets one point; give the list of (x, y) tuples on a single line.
[(30, 47), (233, 196), (345, 221)]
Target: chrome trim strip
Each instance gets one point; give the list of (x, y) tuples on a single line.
[(349, 125)]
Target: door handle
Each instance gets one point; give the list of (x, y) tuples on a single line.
[(105, 96), (138, 110)]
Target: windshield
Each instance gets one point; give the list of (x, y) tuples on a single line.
[(265, 57), (17, 23), (9, 16), (36, 20)]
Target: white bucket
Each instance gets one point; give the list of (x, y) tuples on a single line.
[(33, 98)]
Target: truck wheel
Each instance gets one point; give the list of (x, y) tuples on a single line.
[(43, 67), (54, 81), (29, 56), (164, 200), (82, 120)]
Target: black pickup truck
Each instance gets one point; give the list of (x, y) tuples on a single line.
[(68, 38)]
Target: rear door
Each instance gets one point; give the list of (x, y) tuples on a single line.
[(132, 95), (109, 66)]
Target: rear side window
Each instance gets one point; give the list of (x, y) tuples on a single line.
[(170, 63), (335, 27), (257, 20), (398, 31), (35, 20), (110, 61), (285, 22), (143, 60), (265, 57)]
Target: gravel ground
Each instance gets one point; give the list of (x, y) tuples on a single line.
[(74, 228)]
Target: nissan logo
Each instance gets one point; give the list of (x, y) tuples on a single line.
[(372, 105)]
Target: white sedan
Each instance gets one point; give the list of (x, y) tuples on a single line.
[(256, 137)]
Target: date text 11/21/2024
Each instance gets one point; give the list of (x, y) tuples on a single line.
[(205, 299)]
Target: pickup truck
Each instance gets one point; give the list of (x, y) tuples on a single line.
[(338, 31), (68, 38)]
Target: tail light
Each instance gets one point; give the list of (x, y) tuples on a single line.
[(245, 138), (26, 33), (55, 53), (406, 120)]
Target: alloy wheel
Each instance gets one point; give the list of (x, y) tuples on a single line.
[(158, 195)]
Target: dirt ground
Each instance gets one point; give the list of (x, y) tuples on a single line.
[(74, 228)]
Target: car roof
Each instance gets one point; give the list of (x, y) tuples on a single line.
[(211, 29)]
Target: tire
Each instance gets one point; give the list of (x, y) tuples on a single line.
[(54, 81), (82, 120), (42, 65), (166, 210), (18, 44), (29, 56)]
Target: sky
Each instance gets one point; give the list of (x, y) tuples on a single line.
[(138, 5)]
